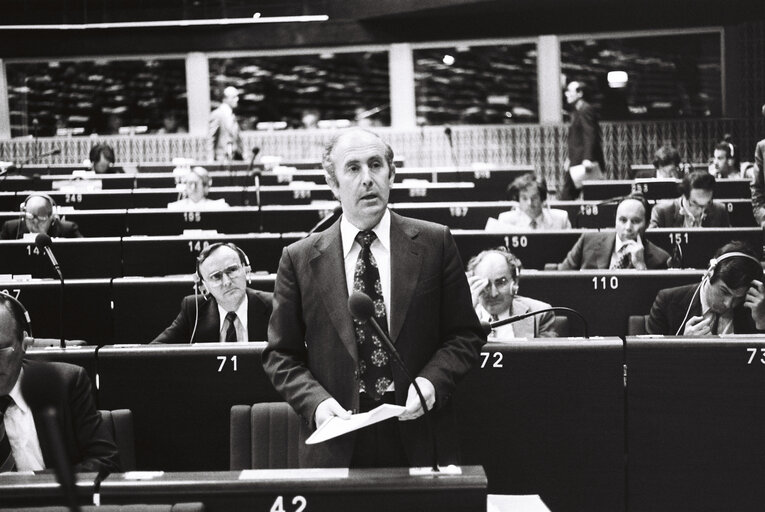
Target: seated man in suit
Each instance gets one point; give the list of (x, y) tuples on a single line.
[(622, 248), (234, 313), (694, 208), (38, 216), (666, 163), (28, 385), (724, 162), (197, 182), (730, 299), (531, 213), (493, 278)]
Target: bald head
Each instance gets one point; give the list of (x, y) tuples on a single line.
[(231, 96), (38, 214)]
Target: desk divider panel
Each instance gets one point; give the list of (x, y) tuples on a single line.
[(79, 258), (658, 188), (80, 356), (547, 417), (695, 420)]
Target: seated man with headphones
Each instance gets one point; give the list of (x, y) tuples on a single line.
[(102, 159), (493, 278), (27, 386), (197, 182), (730, 299), (38, 216), (694, 208), (227, 310), (623, 248), (531, 213)]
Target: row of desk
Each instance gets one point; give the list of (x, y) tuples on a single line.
[(297, 218), (600, 424), (136, 310), (659, 188), (83, 258)]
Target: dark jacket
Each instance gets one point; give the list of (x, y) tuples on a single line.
[(15, 229)]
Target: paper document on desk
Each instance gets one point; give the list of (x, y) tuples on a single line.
[(336, 426)]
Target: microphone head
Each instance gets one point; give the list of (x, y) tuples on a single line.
[(361, 306), (42, 240), (337, 210), (486, 326), (255, 152)]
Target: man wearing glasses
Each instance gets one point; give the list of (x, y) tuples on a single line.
[(225, 310), (37, 216)]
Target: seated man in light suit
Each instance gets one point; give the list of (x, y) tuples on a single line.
[(694, 208), (531, 213), (730, 299), (234, 313), (493, 278), (38, 216), (197, 182), (622, 248), (26, 386)]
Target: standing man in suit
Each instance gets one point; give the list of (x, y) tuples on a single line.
[(758, 184), (25, 385), (623, 248), (493, 277), (584, 146), (224, 128), (730, 299), (325, 364), (38, 216), (234, 313), (694, 208)]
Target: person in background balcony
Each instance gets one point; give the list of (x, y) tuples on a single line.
[(224, 132), (666, 163), (102, 159)]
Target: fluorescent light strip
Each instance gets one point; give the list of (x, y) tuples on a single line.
[(171, 23)]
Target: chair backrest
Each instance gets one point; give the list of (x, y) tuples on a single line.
[(119, 423), (561, 326), (264, 436), (636, 325)]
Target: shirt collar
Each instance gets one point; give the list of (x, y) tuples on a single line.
[(16, 394), (348, 232), (241, 313)]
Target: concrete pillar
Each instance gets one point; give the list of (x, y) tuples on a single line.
[(401, 71), (548, 80), (198, 92)]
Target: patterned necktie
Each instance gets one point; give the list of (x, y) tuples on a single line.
[(494, 318), (6, 456), (231, 331), (374, 363), (533, 224), (622, 260)]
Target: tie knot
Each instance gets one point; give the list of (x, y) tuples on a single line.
[(231, 317), (5, 402), (365, 238)]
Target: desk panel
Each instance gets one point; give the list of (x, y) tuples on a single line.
[(698, 245), (79, 258), (606, 298), (87, 310), (533, 248), (181, 398), (97, 223), (695, 417), (599, 190), (168, 222), (547, 417), (80, 356)]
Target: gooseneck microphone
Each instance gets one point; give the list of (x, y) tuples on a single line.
[(256, 173), (517, 318), (44, 242), (326, 221), (362, 309)]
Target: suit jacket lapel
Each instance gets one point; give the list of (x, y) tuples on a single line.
[(328, 268), (405, 262), (605, 248), (526, 327), (678, 219), (209, 322)]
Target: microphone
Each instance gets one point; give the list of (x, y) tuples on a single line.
[(326, 221), (37, 396), (517, 318), (43, 241), (362, 309), (256, 175)]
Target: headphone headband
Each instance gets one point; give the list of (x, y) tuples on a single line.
[(206, 252), (716, 261), (45, 196), (24, 311)]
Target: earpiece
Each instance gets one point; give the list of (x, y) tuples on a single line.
[(209, 250), (24, 311)]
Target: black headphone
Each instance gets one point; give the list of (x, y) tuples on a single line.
[(51, 201), (207, 251), (714, 262), (25, 313)]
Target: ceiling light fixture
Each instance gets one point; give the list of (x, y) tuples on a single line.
[(173, 23)]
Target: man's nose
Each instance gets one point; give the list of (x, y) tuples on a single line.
[(366, 176)]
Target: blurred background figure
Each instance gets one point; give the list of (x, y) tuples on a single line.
[(170, 124), (102, 159), (197, 183), (224, 132), (310, 118), (493, 278), (666, 163), (725, 160), (38, 216)]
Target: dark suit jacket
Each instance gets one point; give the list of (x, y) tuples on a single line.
[(208, 327), (758, 184), (593, 251), (312, 354), (15, 229), (670, 307), (668, 214), (67, 388), (584, 137)]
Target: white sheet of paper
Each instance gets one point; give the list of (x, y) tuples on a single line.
[(336, 426)]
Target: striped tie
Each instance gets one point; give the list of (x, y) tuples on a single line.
[(6, 456)]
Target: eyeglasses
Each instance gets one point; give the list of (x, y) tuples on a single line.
[(36, 218), (500, 284), (233, 271)]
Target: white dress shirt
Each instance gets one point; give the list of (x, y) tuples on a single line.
[(204, 204), (240, 323), (504, 332), (380, 250), (22, 433)]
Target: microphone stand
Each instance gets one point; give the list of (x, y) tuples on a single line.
[(17, 167), (517, 318)]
